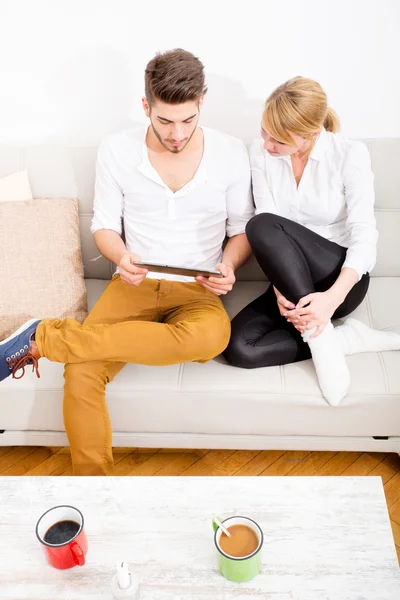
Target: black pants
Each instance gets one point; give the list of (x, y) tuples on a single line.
[(297, 262)]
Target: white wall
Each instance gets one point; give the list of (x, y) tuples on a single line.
[(72, 70)]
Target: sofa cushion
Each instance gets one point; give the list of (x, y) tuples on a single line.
[(15, 187), (41, 271)]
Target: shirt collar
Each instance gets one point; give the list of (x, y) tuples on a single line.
[(320, 146)]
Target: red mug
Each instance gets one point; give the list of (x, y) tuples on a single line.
[(64, 543)]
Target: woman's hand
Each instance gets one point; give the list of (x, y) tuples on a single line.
[(283, 303), (314, 310)]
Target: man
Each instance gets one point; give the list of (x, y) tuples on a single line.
[(179, 190)]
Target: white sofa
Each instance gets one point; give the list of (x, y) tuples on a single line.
[(215, 405)]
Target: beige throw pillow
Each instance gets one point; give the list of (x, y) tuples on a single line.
[(41, 270), (15, 187)]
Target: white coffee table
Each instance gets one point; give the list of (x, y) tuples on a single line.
[(326, 538)]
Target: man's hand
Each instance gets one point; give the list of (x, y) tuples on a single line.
[(129, 273), (313, 310), (219, 285)]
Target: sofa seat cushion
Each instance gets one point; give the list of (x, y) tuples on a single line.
[(217, 398)]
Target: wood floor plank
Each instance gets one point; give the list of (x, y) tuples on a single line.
[(153, 464), (392, 489), (208, 462), (64, 470), (182, 462), (233, 463), (6, 449), (54, 465), (338, 463), (35, 458), (175, 450), (132, 460), (311, 463), (259, 463), (16, 454), (59, 449), (285, 463), (387, 468), (122, 450), (394, 511), (365, 463), (118, 457), (396, 532)]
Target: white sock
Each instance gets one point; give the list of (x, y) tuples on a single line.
[(355, 337), (330, 364)]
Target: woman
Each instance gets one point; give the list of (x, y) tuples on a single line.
[(314, 236)]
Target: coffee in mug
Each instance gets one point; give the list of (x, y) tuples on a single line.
[(242, 541), (61, 532)]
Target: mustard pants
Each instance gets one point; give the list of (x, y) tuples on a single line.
[(160, 322)]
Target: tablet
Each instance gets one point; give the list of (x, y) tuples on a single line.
[(174, 270)]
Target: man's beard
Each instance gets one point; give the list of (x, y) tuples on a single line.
[(173, 150)]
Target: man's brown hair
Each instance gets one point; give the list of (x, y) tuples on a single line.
[(174, 77)]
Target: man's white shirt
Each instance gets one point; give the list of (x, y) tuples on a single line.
[(185, 228), (335, 197)]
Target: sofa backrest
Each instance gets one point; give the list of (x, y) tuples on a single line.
[(56, 171)]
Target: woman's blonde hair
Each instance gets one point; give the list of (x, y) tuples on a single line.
[(298, 106)]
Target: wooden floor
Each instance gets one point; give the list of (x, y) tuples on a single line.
[(152, 461)]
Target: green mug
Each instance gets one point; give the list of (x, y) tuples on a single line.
[(235, 568)]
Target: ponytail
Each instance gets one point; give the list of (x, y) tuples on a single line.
[(332, 122)]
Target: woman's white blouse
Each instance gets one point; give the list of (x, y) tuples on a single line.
[(335, 197)]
